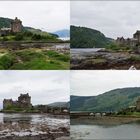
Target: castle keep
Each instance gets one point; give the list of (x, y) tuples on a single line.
[(24, 102), (15, 27), (132, 42), (138, 104)]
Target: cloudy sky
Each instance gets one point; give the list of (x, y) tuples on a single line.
[(113, 18), (43, 86), (90, 83), (46, 15)]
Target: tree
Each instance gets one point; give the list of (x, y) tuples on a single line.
[(19, 37), (36, 37)]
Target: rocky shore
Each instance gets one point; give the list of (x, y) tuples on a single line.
[(40, 132), (105, 60), (40, 127)]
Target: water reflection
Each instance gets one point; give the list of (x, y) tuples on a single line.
[(31, 118), (88, 51), (120, 131), (15, 119), (62, 46)]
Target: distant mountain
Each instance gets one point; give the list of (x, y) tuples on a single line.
[(113, 100), (59, 104), (62, 33), (83, 37)]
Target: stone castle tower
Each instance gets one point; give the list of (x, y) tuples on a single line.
[(24, 101), (16, 25), (137, 36), (138, 104)]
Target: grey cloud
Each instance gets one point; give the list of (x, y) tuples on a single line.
[(47, 15), (89, 83), (113, 18), (43, 86)]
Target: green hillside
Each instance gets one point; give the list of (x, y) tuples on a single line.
[(82, 37), (113, 100), (5, 22), (59, 104)]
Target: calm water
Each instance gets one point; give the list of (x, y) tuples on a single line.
[(90, 132), (32, 118), (62, 46), (84, 51)]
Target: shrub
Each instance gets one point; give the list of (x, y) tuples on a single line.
[(6, 61), (36, 37), (19, 37), (28, 33), (5, 38)]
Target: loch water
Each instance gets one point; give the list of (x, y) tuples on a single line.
[(130, 131)]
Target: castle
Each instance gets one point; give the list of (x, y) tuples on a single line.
[(15, 27), (24, 102), (138, 105), (132, 42)]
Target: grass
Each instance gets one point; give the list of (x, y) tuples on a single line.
[(115, 47), (34, 59), (134, 58), (98, 60), (136, 113), (131, 114), (30, 35)]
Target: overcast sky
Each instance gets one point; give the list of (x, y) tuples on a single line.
[(44, 87), (113, 18), (90, 83), (46, 15)]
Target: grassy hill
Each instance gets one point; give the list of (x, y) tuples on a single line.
[(82, 37), (113, 100), (59, 104)]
